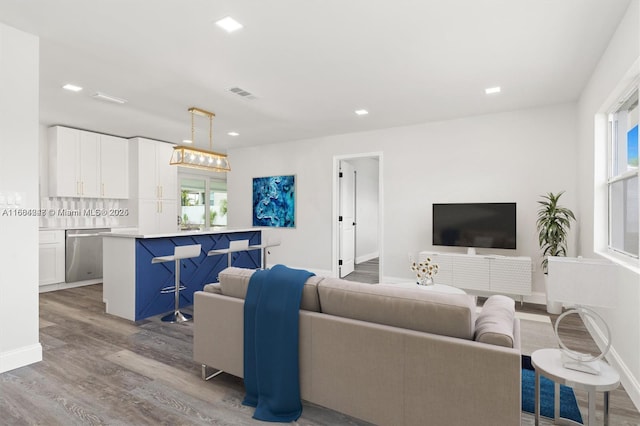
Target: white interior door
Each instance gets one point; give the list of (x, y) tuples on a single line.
[(347, 220)]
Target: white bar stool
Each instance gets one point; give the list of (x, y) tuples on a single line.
[(179, 252), (234, 246)]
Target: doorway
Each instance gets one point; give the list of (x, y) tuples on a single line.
[(358, 217)]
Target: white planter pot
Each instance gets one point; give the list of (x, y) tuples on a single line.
[(554, 308)]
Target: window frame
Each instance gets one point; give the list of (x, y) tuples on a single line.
[(612, 158), (209, 183)]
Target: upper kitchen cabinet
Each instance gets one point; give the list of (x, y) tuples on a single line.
[(154, 186), (153, 176), (114, 167), (87, 164), (73, 163)]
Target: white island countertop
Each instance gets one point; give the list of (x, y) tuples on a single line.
[(216, 230)]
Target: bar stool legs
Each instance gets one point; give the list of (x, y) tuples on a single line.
[(177, 316), (180, 252)]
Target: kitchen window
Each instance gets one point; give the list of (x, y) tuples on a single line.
[(203, 202)]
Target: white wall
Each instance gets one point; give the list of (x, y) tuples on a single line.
[(19, 344), (498, 157), (366, 207), (617, 64)]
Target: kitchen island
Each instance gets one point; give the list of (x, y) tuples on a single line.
[(132, 284)]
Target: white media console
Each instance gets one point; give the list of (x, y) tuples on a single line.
[(483, 273)]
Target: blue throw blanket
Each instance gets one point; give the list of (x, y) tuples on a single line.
[(271, 374)]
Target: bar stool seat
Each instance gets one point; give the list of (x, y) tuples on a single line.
[(179, 252), (234, 247)]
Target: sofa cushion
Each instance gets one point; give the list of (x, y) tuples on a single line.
[(495, 322), (235, 281), (213, 288), (415, 309)]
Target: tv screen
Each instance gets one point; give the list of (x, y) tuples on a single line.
[(486, 225)]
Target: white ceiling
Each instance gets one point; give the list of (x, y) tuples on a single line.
[(310, 63)]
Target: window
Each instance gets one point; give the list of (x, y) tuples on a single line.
[(624, 211), (199, 195)]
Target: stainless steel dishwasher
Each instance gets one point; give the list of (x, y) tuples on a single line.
[(83, 260)]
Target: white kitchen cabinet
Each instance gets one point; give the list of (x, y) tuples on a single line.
[(156, 178), (167, 175), (168, 215), (143, 157), (114, 167), (89, 164), (153, 186), (64, 162), (157, 216), (51, 260), (74, 163)]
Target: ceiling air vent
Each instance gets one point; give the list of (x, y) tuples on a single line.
[(104, 97), (243, 93)]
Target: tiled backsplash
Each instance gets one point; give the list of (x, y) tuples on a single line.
[(84, 213)]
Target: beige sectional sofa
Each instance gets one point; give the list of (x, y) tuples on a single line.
[(382, 353)]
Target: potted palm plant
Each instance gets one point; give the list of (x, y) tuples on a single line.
[(554, 223)]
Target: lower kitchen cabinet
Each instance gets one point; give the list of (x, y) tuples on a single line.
[(51, 257)]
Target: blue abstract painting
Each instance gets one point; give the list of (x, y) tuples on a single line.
[(274, 201)]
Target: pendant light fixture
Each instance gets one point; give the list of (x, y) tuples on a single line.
[(200, 158)]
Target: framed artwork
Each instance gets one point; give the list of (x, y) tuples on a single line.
[(274, 201)]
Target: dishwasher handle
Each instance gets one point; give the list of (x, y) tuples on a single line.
[(82, 235), (97, 233)]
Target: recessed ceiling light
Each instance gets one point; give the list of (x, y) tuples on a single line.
[(187, 141), (492, 90), (72, 87), (229, 24), (233, 134), (361, 112)]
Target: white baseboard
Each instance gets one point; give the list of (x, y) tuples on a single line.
[(63, 286), (536, 298), (630, 383), (20, 357), (367, 257)]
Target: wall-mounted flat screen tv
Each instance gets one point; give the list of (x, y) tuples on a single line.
[(484, 225)]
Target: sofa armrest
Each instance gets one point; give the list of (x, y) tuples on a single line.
[(516, 335), (495, 323), (218, 325)]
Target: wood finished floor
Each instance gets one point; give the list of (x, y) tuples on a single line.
[(622, 411), (99, 369), (365, 272)]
